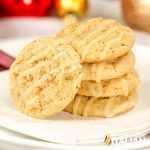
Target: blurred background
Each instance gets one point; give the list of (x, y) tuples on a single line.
[(31, 18)]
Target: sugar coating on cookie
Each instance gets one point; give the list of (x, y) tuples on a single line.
[(107, 70), (101, 107), (98, 39), (45, 77), (108, 88)]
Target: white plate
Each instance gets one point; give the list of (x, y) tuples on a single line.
[(15, 141), (142, 110)]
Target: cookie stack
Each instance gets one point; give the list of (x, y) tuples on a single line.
[(109, 79), (87, 69)]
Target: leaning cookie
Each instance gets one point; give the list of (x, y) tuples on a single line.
[(108, 88), (45, 77), (98, 39), (107, 70), (101, 107)]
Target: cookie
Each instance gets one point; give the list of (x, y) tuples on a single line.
[(108, 88), (45, 77), (101, 107), (98, 39), (107, 70)]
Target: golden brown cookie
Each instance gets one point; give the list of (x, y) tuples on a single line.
[(45, 77), (108, 88), (101, 107), (98, 39), (106, 70)]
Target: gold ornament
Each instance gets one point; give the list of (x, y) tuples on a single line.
[(75, 7), (137, 13)]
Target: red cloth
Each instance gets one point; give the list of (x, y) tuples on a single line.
[(2, 68), (5, 60)]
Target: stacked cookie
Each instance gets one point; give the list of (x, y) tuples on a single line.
[(45, 77), (109, 79)]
